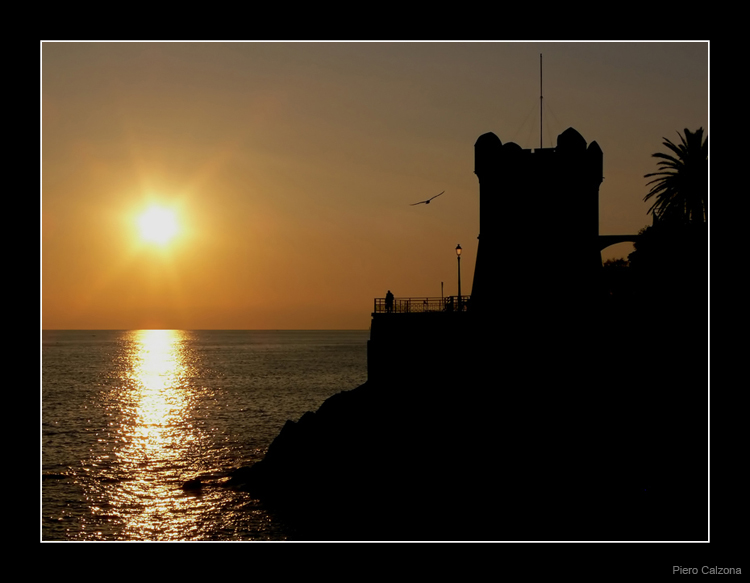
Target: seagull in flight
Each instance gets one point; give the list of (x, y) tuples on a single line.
[(426, 201)]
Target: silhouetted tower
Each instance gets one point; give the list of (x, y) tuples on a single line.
[(539, 222)]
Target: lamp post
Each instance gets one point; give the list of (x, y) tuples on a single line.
[(458, 256)]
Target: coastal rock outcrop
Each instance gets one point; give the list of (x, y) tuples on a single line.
[(456, 458)]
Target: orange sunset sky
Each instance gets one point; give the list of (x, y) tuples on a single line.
[(285, 171)]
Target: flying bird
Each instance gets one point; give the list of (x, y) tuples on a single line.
[(426, 201)]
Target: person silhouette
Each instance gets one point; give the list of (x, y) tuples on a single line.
[(389, 302)]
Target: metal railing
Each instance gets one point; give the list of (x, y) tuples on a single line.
[(420, 305)]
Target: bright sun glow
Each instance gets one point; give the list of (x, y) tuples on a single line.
[(158, 225)]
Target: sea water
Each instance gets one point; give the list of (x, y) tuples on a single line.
[(128, 417)]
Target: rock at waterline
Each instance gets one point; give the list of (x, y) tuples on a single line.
[(192, 485)]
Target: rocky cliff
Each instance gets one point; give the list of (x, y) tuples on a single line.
[(557, 442)]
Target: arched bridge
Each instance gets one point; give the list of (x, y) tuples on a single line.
[(607, 240)]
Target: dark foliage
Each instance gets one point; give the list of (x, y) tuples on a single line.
[(680, 188)]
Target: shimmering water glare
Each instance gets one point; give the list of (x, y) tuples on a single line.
[(129, 417)]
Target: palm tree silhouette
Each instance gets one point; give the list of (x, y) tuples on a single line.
[(681, 185)]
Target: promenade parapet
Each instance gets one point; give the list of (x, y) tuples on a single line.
[(417, 305)]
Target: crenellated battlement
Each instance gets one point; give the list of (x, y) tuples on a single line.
[(570, 173), (537, 206)]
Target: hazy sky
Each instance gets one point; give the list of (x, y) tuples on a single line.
[(290, 168)]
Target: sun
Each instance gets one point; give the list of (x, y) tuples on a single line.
[(158, 225)]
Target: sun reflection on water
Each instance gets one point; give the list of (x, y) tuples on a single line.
[(155, 437), (136, 487), (157, 423), (161, 406)]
